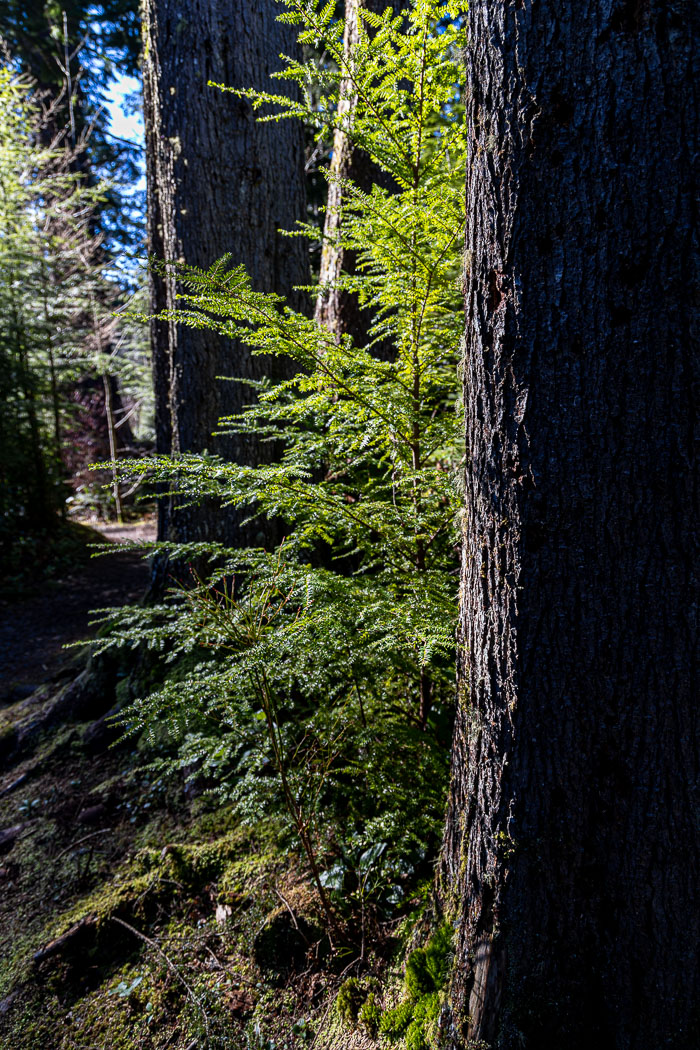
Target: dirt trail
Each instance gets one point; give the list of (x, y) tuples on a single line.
[(34, 630)]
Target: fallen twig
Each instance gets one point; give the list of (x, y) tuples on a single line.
[(79, 842), (291, 912), (171, 966), (15, 784)]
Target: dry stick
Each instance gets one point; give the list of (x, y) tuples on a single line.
[(127, 415), (74, 845), (112, 445), (289, 909), (67, 58), (226, 969), (171, 966), (13, 784)]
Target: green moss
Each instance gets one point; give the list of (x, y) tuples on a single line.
[(351, 997), (358, 1003), (437, 955), (416, 1036), (137, 996), (8, 738), (424, 1024), (418, 978), (394, 1022), (370, 1015), (415, 1019)]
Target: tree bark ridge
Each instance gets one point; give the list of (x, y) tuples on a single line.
[(572, 851)]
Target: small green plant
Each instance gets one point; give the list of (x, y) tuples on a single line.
[(351, 998), (125, 988), (427, 969), (370, 1015), (322, 682)]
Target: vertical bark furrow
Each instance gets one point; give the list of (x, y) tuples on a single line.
[(571, 847)]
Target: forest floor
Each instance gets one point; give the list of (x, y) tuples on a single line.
[(136, 910), (34, 629)]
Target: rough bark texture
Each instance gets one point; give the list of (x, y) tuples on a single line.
[(572, 851), (217, 182)]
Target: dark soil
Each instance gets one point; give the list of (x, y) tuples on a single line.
[(34, 629)]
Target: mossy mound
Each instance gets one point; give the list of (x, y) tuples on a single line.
[(413, 1020)]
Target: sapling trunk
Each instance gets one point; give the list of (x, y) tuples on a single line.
[(109, 412), (296, 814)]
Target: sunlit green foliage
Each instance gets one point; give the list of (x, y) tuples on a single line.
[(413, 1019), (56, 300), (327, 662), (37, 197)]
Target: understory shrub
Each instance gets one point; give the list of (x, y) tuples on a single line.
[(321, 680)]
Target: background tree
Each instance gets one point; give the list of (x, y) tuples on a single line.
[(50, 326), (337, 306), (572, 847), (72, 51), (70, 54), (218, 182)]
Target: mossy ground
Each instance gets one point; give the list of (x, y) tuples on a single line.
[(403, 1009), (101, 842), (183, 920)]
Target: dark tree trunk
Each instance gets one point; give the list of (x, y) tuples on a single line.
[(217, 182), (572, 851)]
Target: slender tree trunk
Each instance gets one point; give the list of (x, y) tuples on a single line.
[(39, 509), (111, 433), (108, 385), (55, 401), (337, 308), (572, 851), (217, 182)]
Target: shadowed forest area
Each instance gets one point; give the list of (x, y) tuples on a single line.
[(348, 494)]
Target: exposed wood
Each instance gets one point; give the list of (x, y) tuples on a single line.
[(75, 939), (337, 308), (8, 836)]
